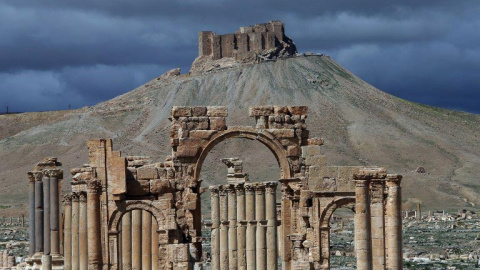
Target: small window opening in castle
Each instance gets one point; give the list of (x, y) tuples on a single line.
[(231, 166)]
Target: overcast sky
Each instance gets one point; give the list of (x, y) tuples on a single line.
[(60, 53)]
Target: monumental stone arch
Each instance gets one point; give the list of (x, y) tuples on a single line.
[(249, 229)]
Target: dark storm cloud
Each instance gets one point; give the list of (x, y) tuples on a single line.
[(82, 52)]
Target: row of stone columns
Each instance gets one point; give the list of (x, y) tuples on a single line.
[(82, 246), (244, 226), (44, 212), (378, 224), (7, 260), (139, 241)]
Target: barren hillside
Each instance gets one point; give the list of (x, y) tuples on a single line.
[(360, 124)]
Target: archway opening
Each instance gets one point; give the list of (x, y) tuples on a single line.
[(138, 240), (342, 238), (258, 164)]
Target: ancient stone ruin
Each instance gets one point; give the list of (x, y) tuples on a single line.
[(131, 213), (261, 42)]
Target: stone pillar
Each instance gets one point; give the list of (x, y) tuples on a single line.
[(223, 229), (46, 262), (46, 214), (75, 232), (67, 252), (251, 227), (54, 212), (31, 212), (146, 241), (232, 230), (155, 264), (271, 217), (11, 261), (363, 246), (93, 225), (127, 241), (241, 228), (5, 259), (38, 215), (137, 239), (82, 231), (393, 230), (377, 224), (215, 202), (261, 249)]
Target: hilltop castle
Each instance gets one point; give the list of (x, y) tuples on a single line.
[(248, 44)]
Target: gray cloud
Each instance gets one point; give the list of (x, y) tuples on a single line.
[(83, 52)]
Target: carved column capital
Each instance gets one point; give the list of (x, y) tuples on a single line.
[(214, 191), (82, 196), (249, 188), (393, 180), (222, 191), (240, 189), (53, 173), (34, 176), (75, 197), (259, 188), (271, 187), (94, 186), (67, 199)]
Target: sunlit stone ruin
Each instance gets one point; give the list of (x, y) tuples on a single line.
[(130, 213)]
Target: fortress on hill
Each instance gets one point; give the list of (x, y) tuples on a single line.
[(266, 40)]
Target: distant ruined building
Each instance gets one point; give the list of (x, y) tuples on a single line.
[(261, 42)]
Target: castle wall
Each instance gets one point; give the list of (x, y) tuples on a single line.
[(245, 43), (205, 43)]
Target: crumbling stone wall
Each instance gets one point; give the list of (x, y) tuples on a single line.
[(266, 38)]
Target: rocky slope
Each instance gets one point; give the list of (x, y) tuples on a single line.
[(360, 124)]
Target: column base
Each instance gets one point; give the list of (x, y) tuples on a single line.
[(58, 262), (35, 262)]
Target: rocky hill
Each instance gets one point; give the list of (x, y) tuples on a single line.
[(361, 125)]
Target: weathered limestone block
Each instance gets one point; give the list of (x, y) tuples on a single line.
[(160, 186), (181, 111), (260, 111), (218, 123), (147, 173), (280, 110), (217, 111), (197, 123), (282, 133), (315, 141), (294, 150), (202, 134), (199, 111), (311, 150), (298, 110), (371, 173), (191, 201), (138, 187)]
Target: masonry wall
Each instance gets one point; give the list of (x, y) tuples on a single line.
[(245, 41)]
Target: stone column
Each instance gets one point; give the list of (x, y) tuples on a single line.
[(215, 202), (146, 241), (154, 244), (137, 239), (93, 225), (31, 212), (46, 214), (261, 250), (241, 227), (67, 252), (5, 258), (38, 215), (75, 232), (11, 261), (46, 262), (82, 231), (223, 229), (232, 230), (393, 230), (251, 227), (377, 225), (363, 245), (54, 212), (127, 241), (271, 217)]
